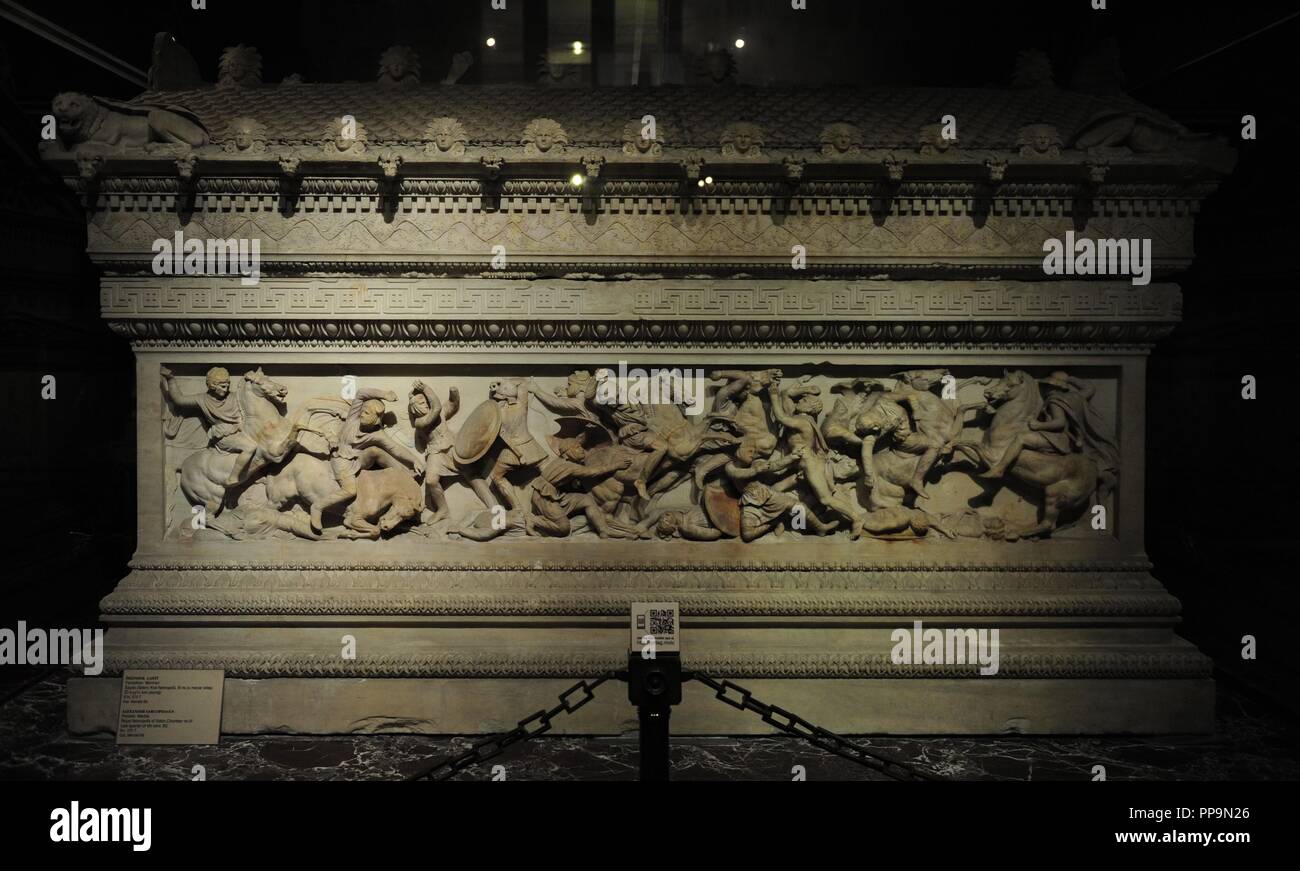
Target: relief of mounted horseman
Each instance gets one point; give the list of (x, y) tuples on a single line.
[(247, 431), (329, 454), (1058, 447)]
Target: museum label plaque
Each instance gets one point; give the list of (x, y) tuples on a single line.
[(170, 706)]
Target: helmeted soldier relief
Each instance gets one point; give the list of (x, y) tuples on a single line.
[(429, 418), (496, 441)]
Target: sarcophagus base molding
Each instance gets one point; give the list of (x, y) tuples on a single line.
[(472, 645), (445, 706)]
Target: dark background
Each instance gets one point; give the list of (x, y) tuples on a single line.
[(1219, 526)]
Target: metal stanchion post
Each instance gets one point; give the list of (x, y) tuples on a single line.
[(654, 686)]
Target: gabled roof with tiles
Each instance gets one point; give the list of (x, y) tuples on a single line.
[(686, 117)]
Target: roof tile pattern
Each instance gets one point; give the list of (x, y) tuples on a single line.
[(686, 117)]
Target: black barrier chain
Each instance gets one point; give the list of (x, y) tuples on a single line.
[(528, 728), (793, 724)]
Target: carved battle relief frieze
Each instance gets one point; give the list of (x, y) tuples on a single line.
[(746, 458)]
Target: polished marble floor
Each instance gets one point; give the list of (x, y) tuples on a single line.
[(1253, 741)]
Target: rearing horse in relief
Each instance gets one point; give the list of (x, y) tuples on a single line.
[(1067, 480), (204, 473)]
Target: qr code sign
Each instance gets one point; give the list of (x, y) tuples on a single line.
[(663, 621), (660, 619)]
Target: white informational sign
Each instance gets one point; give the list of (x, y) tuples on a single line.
[(660, 619), (170, 706)]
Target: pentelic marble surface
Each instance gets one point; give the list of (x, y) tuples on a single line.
[(381, 423)]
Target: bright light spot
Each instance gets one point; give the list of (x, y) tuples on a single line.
[(491, 41), (700, 182), (577, 180), (577, 47), (708, 179), (740, 43)]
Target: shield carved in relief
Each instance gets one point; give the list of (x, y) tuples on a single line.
[(723, 509), (477, 433)]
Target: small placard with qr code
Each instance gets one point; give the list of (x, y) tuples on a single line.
[(660, 619)]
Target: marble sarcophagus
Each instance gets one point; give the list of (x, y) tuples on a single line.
[(433, 382)]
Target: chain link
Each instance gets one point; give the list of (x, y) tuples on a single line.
[(731, 693), (530, 727), (792, 724)]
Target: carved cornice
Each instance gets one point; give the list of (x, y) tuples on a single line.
[(129, 193), (524, 334), (467, 313), (452, 186), (488, 298), (327, 235), (1130, 663), (607, 269)]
